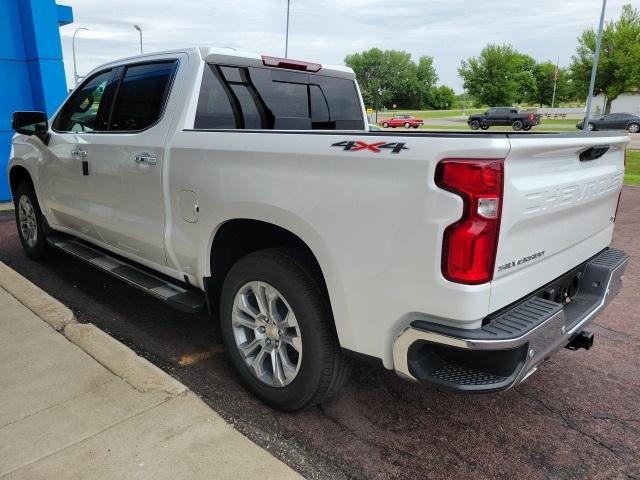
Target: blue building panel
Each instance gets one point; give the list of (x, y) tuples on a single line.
[(11, 40), (31, 68)]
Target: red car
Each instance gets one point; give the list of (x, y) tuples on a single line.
[(406, 121)]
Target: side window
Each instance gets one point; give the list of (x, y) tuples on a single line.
[(87, 109), (141, 96)]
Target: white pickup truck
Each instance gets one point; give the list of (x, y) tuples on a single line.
[(251, 185)]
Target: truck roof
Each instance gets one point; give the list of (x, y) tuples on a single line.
[(233, 56)]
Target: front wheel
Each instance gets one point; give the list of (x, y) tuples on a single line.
[(407, 125), (634, 128), (277, 326), (474, 124), (591, 126), (385, 125), (517, 125), (31, 223)]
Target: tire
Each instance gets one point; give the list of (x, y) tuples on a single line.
[(591, 127), (317, 368), (484, 127), (407, 125), (30, 223), (385, 125), (415, 126), (633, 128), (517, 125), (526, 128), (474, 124)]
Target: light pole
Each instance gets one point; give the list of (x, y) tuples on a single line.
[(594, 67), (73, 48), (286, 38), (555, 82), (137, 27)]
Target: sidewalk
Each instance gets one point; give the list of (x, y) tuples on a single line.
[(76, 404)]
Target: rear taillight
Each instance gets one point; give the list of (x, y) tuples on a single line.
[(469, 245)]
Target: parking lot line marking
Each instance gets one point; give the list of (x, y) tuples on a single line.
[(197, 357)]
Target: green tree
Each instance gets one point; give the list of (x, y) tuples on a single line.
[(500, 75), (619, 62), (545, 76), (443, 98), (391, 76)]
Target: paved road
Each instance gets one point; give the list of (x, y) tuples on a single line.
[(578, 417)]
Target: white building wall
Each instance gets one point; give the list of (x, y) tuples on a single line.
[(625, 103)]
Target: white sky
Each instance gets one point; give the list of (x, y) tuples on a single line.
[(326, 30)]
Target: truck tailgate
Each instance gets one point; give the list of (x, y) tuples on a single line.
[(558, 210)]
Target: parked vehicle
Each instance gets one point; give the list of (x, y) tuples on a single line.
[(406, 121), (252, 186), (614, 121), (504, 116)]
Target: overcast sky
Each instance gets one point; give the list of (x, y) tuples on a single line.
[(326, 30)]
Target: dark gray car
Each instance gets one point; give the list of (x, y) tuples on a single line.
[(614, 121)]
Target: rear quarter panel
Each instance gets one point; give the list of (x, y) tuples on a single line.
[(373, 220)]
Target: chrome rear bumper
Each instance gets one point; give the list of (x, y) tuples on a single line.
[(509, 348)]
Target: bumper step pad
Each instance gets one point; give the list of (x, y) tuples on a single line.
[(184, 299)]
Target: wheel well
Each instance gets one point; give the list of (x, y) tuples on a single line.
[(17, 175), (237, 238)]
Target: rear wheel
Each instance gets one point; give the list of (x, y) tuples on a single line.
[(526, 128), (633, 128), (415, 126), (276, 323), (517, 125), (484, 127), (474, 124), (30, 222), (385, 125), (407, 125), (591, 126)]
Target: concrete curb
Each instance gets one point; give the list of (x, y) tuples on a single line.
[(38, 301), (111, 354), (121, 360)]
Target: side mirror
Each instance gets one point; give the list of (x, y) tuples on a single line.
[(29, 123)]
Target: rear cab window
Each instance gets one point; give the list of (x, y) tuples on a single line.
[(257, 98)]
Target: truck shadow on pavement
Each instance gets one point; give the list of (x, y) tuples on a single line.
[(577, 417)]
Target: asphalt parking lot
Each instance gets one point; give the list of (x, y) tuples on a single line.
[(578, 417)]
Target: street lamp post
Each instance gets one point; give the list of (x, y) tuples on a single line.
[(137, 27), (76, 78), (286, 38), (594, 68)]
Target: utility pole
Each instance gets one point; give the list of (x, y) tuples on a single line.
[(137, 27), (555, 82), (76, 78), (594, 67), (286, 38)]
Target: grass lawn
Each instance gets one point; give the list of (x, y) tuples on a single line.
[(430, 113), (632, 172)]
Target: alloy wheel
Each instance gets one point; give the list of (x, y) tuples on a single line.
[(27, 220), (266, 333)]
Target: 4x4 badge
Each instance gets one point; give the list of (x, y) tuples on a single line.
[(356, 145)]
